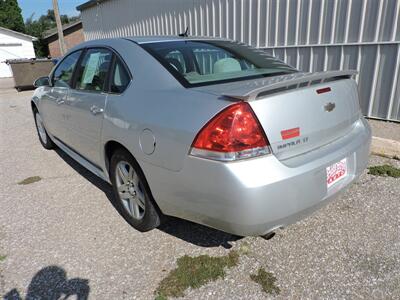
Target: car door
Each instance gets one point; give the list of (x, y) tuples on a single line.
[(52, 103), (86, 103)]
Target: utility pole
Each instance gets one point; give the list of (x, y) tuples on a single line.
[(59, 27)]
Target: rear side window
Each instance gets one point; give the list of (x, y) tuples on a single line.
[(93, 70), (120, 78), (63, 73), (206, 62)]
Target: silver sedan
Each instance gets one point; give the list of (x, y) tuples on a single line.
[(207, 130)]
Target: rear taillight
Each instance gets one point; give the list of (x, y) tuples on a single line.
[(234, 133)]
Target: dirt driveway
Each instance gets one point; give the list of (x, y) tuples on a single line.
[(60, 235)]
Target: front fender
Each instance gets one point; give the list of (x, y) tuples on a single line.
[(35, 100)]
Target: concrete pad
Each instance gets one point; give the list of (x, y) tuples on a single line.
[(385, 147), (385, 129)]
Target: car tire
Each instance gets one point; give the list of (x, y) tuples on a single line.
[(132, 195), (44, 138)]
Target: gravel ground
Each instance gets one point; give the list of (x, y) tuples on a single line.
[(61, 235)]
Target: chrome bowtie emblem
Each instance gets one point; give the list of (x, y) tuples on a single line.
[(329, 106)]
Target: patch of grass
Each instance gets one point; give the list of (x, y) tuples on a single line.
[(193, 272), (30, 180), (2, 257), (244, 248), (266, 280), (384, 170), (160, 297)]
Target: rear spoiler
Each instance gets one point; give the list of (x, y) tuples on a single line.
[(283, 83)]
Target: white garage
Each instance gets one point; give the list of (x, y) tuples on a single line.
[(14, 45)]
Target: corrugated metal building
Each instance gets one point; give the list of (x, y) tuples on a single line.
[(312, 35)]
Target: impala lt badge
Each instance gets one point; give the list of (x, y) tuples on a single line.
[(329, 106)]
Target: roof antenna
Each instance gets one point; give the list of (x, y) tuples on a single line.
[(185, 34)]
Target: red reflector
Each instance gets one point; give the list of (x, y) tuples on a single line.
[(290, 133), (324, 90)]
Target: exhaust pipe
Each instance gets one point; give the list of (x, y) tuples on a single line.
[(268, 235)]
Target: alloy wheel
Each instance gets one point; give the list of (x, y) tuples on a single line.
[(40, 128), (130, 190)]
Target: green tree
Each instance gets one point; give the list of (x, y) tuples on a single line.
[(10, 15), (50, 18), (41, 26), (36, 29)]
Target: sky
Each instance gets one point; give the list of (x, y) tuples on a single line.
[(40, 7)]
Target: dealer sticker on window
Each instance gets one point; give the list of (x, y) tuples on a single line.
[(336, 172)]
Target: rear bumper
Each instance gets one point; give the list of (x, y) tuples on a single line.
[(253, 197)]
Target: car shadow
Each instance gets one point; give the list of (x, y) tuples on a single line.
[(190, 232), (52, 283)]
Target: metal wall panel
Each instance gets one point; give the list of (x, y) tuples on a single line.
[(312, 35)]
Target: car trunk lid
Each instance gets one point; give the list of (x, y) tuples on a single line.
[(299, 112)]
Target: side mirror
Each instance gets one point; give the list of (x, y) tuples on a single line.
[(42, 81)]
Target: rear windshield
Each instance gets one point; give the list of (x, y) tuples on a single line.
[(197, 63)]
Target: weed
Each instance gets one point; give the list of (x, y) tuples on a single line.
[(30, 180), (384, 170), (160, 297), (193, 272), (244, 248), (266, 280)]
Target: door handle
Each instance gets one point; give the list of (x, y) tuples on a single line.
[(60, 101), (96, 110)]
